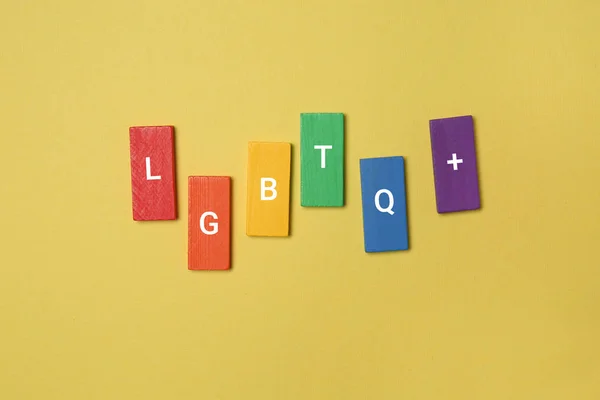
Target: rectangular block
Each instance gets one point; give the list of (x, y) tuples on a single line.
[(268, 197), (152, 173), (384, 204), (209, 222), (322, 160), (454, 164)]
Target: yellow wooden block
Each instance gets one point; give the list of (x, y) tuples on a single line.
[(268, 201)]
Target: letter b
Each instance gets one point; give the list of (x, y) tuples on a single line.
[(271, 188)]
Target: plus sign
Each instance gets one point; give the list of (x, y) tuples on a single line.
[(455, 161)]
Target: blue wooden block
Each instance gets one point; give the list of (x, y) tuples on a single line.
[(384, 204)]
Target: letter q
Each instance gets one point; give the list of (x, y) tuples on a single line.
[(389, 208)]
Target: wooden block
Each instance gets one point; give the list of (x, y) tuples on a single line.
[(209, 222), (454, 164), (268, 197), (152, 173), (384, 204), (322, 160)]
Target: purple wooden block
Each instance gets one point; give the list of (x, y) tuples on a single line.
[(454, 164)]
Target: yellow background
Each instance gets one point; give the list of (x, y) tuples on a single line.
[(497, 304)]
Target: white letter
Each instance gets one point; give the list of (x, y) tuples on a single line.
[(391, 199), (263, 188), (214, 225), (148, 173), (323, 148)]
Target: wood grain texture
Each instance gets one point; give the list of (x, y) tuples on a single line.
[(322, 160), (152, 173), (384, 204), (454, 164), (268, 210), (209, 222)]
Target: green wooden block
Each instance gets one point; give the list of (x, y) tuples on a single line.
[(322, 160)]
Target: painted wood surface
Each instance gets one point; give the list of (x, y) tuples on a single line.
[(268, 189), (152, 173), (454, 164), (384, 204), (322, 160), (209, 222)]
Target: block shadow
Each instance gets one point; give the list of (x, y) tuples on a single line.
[(477, 160), (292, 191), (407, 191), (175, 180)]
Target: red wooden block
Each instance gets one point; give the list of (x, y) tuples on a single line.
[(209, 222), (152, 173)]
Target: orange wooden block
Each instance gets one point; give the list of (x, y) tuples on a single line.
[(209, 222)]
